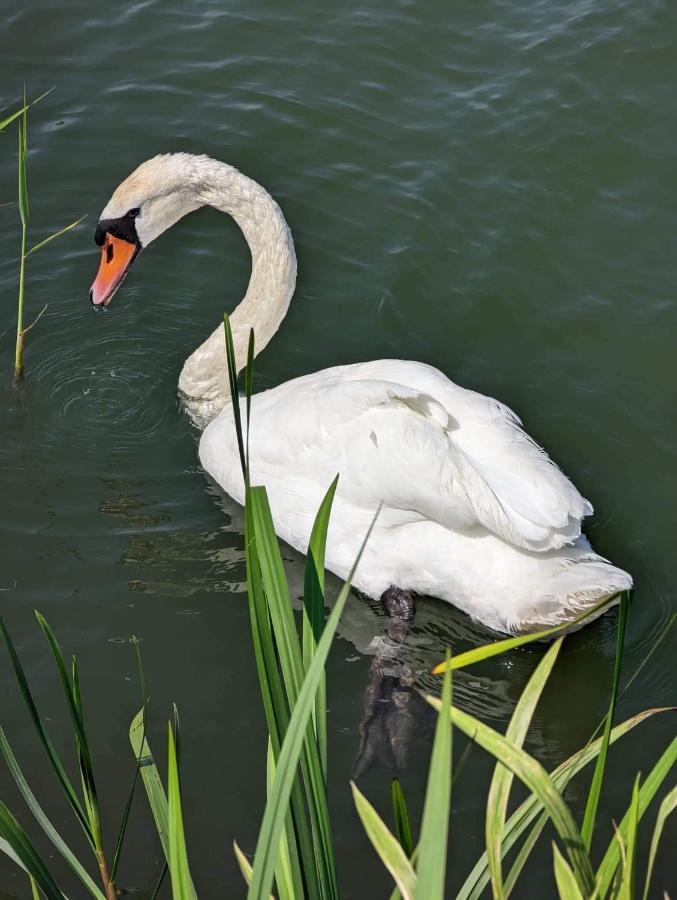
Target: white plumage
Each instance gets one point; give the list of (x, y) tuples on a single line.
[(472, 510)]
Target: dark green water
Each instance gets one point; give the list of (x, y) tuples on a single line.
[(487, 188)]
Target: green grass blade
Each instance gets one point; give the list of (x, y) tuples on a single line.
[(567, 887), (667, 806), (627, 884), (274, 699), (499, 790), (52, 755), (25, 852), (42, 819), (401, 816), (245, 867), (23, 178), (248, 391), (72, 696), (432, 858), (19, 112), (313, 614), (479, 654), (35, 893), (534, 776), (647, 792), (13, 116), (85, 760), (151, 778), (234, 396), (590, 814), (287, 763), (387, 846), (288, 886), (54, 236), (182, 883), (531, 809), (122, 831), (291, 664)]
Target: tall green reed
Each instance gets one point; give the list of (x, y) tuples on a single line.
[(21, 116)]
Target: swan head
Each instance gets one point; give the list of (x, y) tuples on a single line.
[(149, 201)]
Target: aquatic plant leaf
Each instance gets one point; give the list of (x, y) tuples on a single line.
[(401, 816), (534, 776), (479, 654), (387, 846), (592, 803), (182, 883), (42, 819), (668, 805), (567, 887), (499, 790), (432, 847), (287, 762)]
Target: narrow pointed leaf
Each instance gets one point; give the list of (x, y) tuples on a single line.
[(432, 859), (534, 776), (287, 763), (499, 790), (590, 814), (532, 808), (25, 852), (401, 816), (52, 755), (387, 846), (43, 820), (564, 877), (54, 236), (647, 792), (182, 883), (151, 779), (667, 806), (479, 654)]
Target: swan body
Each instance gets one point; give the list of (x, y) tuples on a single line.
[(471, 510)]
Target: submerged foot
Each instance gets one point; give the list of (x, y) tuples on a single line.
[(399, 604)]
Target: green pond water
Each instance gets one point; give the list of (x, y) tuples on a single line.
[(489, 188)]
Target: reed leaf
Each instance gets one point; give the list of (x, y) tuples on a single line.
[(567, 887), (287, 762), (532, 808), (313, 614), (432, 858), (289, 653), (232, 383), (25, 853), (647, 792), (288, 886), (668, 804), (42, 819), (52, 755), (479, 654), (22, 109), (54, 236), (534, 776), (71, 693), (157, 799), (388, 848), (499, 790), (401, 816), (182, 883), (592, 803)]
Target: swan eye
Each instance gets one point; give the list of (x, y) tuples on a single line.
[(133, 213)]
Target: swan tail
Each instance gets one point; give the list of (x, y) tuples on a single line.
[(579, 586)]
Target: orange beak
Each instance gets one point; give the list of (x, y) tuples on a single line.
[(116, 258)]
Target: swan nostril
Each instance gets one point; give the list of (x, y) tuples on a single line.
[(109, 253)]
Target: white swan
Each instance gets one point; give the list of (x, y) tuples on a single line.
[(474, 512)]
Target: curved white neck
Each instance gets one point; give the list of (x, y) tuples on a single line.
[(203, 382)]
